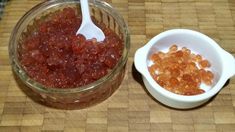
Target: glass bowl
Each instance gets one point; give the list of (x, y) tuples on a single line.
[(79, 97)]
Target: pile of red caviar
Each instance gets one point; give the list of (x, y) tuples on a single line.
[(181, 71), (54, 56)]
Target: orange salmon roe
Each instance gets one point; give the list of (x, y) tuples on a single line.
[(180, 71)]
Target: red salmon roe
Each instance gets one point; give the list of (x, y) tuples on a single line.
[(178, 71), (204, 64), (54, 56)]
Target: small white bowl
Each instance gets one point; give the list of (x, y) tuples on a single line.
[(222, 65)]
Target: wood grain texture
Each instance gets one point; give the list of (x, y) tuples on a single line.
[(131, 108)]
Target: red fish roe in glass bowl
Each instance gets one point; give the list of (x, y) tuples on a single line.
[(64, 69), (56, 57)]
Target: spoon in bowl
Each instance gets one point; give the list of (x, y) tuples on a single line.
[(88, 28)]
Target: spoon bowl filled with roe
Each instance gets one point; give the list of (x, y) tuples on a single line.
[(182, 68), (68, 70)]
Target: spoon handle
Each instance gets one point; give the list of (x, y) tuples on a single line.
[(85, 10)]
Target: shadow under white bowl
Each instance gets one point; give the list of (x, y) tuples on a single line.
[(222, 65)]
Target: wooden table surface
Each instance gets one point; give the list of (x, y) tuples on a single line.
[(130, 108)]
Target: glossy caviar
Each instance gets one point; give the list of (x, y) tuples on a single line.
[(54, 56), (181, 71)]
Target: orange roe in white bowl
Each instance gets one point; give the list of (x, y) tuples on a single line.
[(180, 71), (220, 63)]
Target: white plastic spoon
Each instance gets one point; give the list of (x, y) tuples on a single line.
[(88, 28)]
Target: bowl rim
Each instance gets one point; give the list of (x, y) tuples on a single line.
[(177, 97), (22, 74)]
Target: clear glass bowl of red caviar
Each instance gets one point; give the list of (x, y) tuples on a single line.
[(74, 76)]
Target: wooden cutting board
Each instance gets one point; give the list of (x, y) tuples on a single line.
[(130, 108)]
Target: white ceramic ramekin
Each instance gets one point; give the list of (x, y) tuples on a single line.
[(222, 65)]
